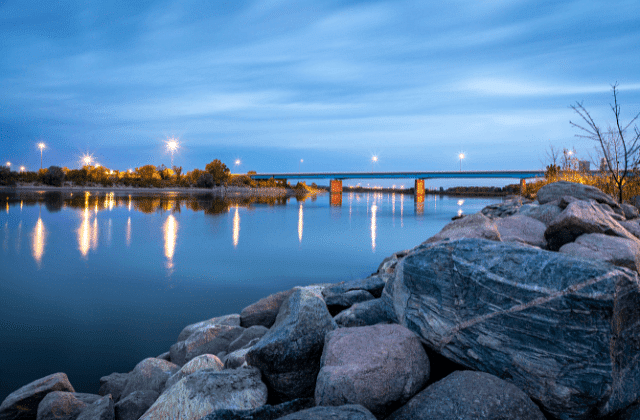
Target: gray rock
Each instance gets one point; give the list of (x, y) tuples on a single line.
[(388, 265), (336, 303), (344, 412), (371, 312), (265, 412), (379, 367), (165, 356), (372, 284), (469, 395), (209, 340), (543, 320), (113, 384), (149, 374), (101, 409), (631, 413), (545, 213), (264, 311), (204, 361), (205, 391), (630, 211), (556, 190), (63, 405), (635, 201), (578, 218), (524, 229), (473, 226), (504, 209), (232, 320), (134, 405), (251, 333), (236, 359), (23, 403), (289, 354), (632, 226), (622, 252)]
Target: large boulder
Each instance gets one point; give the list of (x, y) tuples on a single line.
[(563, 329), (372, 284), (344, 412), (632, 226), (208, 340), (289, 354), (101, 409), (336, 303), (208, 390), (504, 209), (248, 335), (113, 384), (135, 404), (519, 228), (204, 361), (264, 311), (557, 190), (630, 211), (618, 251), (469, 395), (379, 367), (371, 312), (23, 403), (544, 213), (232, 320), (63, 405), (149, 374), (578, 218), (473, 226), (388, 265), (265, 412)]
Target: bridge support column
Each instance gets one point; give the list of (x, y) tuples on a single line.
[(523, 186), (418, 189)]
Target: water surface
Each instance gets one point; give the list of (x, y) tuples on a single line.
[(92, 283)]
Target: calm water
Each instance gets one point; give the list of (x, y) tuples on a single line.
[(92, 283)]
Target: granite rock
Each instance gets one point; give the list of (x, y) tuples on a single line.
[(344, 412), (469, 395), (289, 354), (544, 213), (63, 405), (473, 226), (149, 374), (232, 320), (520, 228), (113, 384), (373, 284), (207, 340), (265, 412), (336, 303), (556, 190), (204, 361), (23, 403), (101, 409), (563, 329), (371, 312), (134, 405), (264, 311), (251, 333), (622, 252), (379, 367)]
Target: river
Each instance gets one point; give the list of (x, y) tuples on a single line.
[(92, 283)]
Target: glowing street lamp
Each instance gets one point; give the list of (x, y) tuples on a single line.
[(41, 146), (172, 146), (461, 156), (374, 160), (87, 159), (9, 165), (22, 169), (300, 163)]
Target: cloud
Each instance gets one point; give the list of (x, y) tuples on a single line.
[(506, 87)]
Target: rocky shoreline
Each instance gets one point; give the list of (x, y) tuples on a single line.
[(526, 310)]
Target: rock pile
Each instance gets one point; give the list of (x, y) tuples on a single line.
[(539, 301)]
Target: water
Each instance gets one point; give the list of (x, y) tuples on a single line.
[(92, 283)]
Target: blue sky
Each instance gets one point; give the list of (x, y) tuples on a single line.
[(332, 83)]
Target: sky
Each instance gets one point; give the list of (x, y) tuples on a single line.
[(311, 86)]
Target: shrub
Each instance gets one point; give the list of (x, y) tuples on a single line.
[(218, 170), (6, 178), (53, 176), (205, 181)]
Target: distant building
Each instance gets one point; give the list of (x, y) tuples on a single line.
[(584, 165), (603, 164)]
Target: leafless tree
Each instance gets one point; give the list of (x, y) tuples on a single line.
[(620, 151)]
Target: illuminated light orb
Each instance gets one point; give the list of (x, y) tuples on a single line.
[(237, 162), (42, 145), (172, 145), (374, 158), (22, 168), (461, 155)]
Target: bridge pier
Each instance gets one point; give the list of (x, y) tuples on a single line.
[(418, 189)]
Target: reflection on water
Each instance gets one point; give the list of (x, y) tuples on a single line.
[(300, 222), (170, 229), (374, 226), (39, 238), (127, 235), (236, 228)]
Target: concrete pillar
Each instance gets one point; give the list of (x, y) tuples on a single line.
[(418, 189), (336, 186), (523, 186)]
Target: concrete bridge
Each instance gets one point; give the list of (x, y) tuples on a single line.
[(337, 177)]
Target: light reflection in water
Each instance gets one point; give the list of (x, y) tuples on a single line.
[(84, 233), (7, 207), (39, 238), (94, 234), (300, 222), (401, 210), (5, 243), (109, 232), (19, 238), (20, 205), (374, 226), (170, 229), (127, 236), (236, 228), (110, 201), (129, 206)]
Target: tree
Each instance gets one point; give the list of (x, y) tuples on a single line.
[(218, 170), (146, 171), (619, 150), (178, 171), (205, 180), (54, 176)]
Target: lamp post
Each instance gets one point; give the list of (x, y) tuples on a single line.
[(237, 164), (22, 169), (461, 156), (41, 146), (374, 160), (9, 165), (172, 146), (300, 163)]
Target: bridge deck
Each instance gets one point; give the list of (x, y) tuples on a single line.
[(401, 175)]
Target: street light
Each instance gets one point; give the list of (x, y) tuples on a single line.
[(374, 160), (172, 146), (41, 146), (87, 159), (299, 163), (461, 156), (22, 169)]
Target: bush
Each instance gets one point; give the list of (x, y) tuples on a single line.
[(205, 181), (6, 178), (53, 176), (218, 170)]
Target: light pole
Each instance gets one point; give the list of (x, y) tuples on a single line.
[(299, 163), (374, 160), (461, 156), (41, 146), (172, 146), (86, 159), (9, 165), (237, 163)]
